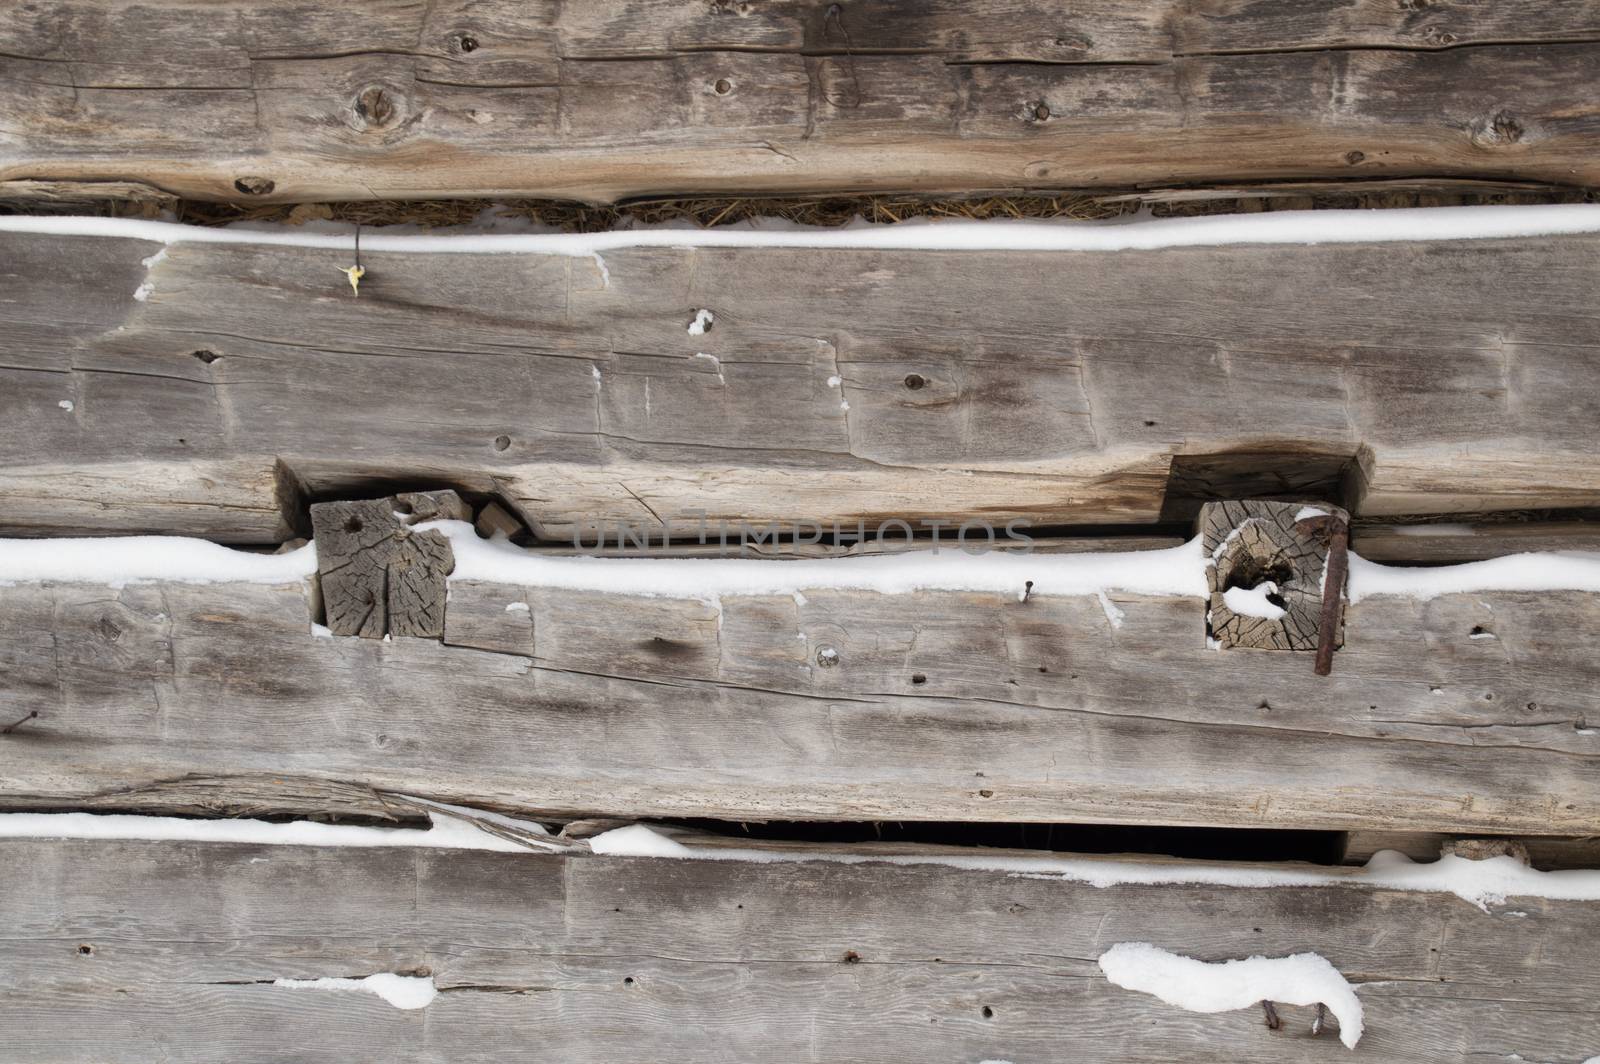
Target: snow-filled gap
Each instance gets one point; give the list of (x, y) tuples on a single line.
[(1140, 233)]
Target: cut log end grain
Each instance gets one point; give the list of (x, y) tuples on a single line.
[(1265, 573), (378, 576)]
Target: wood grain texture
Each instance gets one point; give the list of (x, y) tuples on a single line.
[(1251, 543), (612, 98), (933, 706), (1450, 543), (840, 385), (586, 959), (377, 576)]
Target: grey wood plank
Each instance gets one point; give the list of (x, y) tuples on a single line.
[(1442, 543), (937, 706), (581, 958), (1450, 376), (609, 99)]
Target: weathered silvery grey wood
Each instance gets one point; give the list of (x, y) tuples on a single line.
[(376, 575), (1449, 543), (841, 384), (1466, 714), (591, 960), (602, 100)]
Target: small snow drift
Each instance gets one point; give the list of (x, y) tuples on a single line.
[(636, 840), (1255, 601), (401, 991), (1199, 986)]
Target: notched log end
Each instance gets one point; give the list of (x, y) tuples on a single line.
[(377, 576), (1264, 567)]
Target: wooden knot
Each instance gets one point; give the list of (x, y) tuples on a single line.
[(1264, 566), (375, 108), (1498, 131), (255, 186)]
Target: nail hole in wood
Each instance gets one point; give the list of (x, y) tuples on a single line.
[(353, 525), (915, 381), (1041, 112), (502, 442), (1353, 157), (988, 1013), (627, 980), (985, 794), (464, 43), (827, 657), (852, 957), (86, 951), (255, 186), (722, 87), (207, 357), (918, 678)]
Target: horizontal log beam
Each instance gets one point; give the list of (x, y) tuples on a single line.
[(131, 951), (1444, 543), (1468, 713), (206, 388), (247, 99)]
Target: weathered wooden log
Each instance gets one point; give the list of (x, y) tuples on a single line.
[(247, 99), (1440, 543), (378, 577), (1468, 713), (836, 384), (132, 951)]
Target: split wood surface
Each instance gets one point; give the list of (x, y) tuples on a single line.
[(833, 385), (250, 99)]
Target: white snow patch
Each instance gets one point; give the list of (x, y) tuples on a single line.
[(1253, 602), (121, 560), (835, 381), (1306, 513), (401, 991), (1546, 571), (1276, 227), (605, 274), (1299, 979), (67, 405), (636, 840), (1173, 571), (703, 320), (1482, 883), (516, 607), (142, 293), (446, 832), (321, 631), (1113, 614)]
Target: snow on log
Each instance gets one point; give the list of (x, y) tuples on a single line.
[(993, 370), (896, 687), (1299, 979), (122, 952)]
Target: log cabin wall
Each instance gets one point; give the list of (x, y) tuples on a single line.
[(319, 742)]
